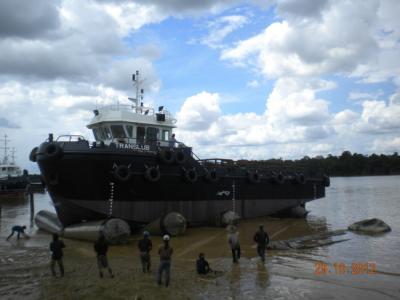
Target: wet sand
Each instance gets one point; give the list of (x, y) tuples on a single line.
[(289, 274)]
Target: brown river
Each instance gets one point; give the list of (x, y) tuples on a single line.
[(327, 272)]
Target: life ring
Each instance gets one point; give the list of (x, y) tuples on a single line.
[(33, 154), (277, 178), (299, 178), (166, 156), (53, 151), (326, 180), (211, 176), (190, 175), (122, 173), (180, 157), (253, 177), (152, 174)]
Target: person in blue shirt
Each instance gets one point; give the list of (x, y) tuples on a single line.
[(18, 229)]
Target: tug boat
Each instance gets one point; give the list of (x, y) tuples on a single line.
[(13, 181), (136, 171)]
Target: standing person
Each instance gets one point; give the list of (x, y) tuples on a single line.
[(233, 240), (202, 265), (19, 230), (145, 245), (172, 141), (165, 251), (101, 248), (56, 247), (262, 239)]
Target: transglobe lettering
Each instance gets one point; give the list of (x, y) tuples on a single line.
[(134, 147)]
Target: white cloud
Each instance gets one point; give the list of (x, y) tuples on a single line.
[(357, 38), (364, 96), (198, 112), (378, 117), (253, 84), (219, 29), (387, 146)]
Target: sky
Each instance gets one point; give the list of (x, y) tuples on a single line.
[(253, 79)]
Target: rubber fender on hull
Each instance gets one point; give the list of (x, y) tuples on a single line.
[(211, 176), (53, 151), (166, 156), (277, 178), (190, 175), (326, 180), (299, 178), (33, 154), (253, 177), (122, 173), (180, 157), (152, 174)]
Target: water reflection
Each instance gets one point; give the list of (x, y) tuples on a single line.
[(262, 279)]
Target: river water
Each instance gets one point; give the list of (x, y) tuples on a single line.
[(327, 272)]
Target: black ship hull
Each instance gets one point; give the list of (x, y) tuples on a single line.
[(140, 184)]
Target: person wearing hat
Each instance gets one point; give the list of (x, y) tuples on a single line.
[(145, 245), (165, 251), (262, 239)]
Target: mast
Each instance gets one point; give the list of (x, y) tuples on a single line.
[(13, 156), (5, 158), (137, 81)]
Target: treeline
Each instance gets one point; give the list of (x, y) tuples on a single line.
[(347, 164)]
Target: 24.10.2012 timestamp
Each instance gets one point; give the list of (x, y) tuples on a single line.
[(340, 268)]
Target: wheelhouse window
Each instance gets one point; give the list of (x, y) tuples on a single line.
[(140, 135), (151, 134), (118, 131), (96, 133), (107, 133), (129, 130), (165, 135)]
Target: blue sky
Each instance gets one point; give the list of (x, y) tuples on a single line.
[(246, 79)]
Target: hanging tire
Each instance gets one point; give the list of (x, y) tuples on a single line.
[(253, 177), (190, 175), (33, 154), (277, 178), (122, 173), (152, 174), (166, 156), (326, 181), (52, 151), (299, 178), (211, 176), (180, 157)]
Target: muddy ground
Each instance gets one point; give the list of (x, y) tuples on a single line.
[(25, 272)]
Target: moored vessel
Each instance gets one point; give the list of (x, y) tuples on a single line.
[(13, 181), (136, 170)]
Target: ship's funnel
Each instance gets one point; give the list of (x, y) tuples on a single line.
[(172, 223)]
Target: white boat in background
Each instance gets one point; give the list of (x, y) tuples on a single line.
[(13, 180)]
